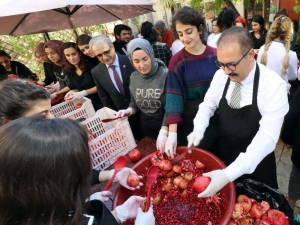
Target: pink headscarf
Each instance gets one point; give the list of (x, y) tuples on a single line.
[(57, 47)]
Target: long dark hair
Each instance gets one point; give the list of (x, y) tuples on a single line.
[(18, 97), (149, 32), (261, 21), (82, 63), (83, 39), (44, 172)]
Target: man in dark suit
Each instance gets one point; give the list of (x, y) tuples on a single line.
[(103, 74), (112, 77)]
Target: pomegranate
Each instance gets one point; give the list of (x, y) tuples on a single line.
[(201, 183), (133, 180)]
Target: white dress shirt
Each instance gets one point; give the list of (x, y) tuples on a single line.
[(117, 68), (272, 104), (213, 39), (275, 55)]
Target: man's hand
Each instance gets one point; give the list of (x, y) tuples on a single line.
[(217, 182), (194, 138)]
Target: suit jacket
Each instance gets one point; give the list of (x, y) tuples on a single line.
[(109, 95)]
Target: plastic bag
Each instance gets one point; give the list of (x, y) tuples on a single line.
[(259, 191)]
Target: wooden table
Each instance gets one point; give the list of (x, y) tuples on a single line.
[(146, 146)]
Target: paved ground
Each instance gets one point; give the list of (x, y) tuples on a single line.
[(284, 166)]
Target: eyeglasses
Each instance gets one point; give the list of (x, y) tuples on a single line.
[(231, 66), (104, 53)]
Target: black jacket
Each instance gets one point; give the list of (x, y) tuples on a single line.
[(109, 95), (49, 73), (291, 128), (118, 47), (21, 70)]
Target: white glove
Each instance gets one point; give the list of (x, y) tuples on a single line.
[(122, 175), (217, 182), (103, 196), (52, 96), (129, 209), (161, 140), (53, 88), (69, 94), (145, 218), (194, 138), (75, 95), (124, 112), (171, 144)]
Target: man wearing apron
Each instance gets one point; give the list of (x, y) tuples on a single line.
[(252, 102)]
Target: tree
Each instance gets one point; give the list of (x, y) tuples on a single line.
[(197, 4), (217, 6), (266, 12), (138, 20), (21, 47), (296, 8)]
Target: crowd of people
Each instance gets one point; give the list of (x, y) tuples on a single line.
[(228, 93)]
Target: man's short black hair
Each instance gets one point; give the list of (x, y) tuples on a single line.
[(118, 29)]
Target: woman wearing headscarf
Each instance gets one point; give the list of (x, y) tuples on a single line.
[(39, 52), (54, 51), (166, 34), (147, 87)]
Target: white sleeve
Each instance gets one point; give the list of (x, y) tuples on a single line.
[(209, 104), (292, 69), (273, 112), (260, 52)]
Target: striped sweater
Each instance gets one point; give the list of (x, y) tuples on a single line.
[(189, 78)]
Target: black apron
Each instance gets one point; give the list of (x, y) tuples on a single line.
[(190, 110), (237, 128), (101, 214), (151, 125)]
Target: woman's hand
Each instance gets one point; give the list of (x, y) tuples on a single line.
[(129, 209), (124, 112), (122, 175), (71, 96)]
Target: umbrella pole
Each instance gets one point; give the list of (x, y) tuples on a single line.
[(46, 37)]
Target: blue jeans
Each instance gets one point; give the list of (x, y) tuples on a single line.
[(294, 184)]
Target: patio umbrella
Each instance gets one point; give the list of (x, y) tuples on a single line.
[(39, 16)]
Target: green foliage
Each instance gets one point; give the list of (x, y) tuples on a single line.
[(196, 4), (21, 47), (172, 3), (296, 8), (248, 4), (138, 20), (217, 5)]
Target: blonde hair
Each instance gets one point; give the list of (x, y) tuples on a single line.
[(281, 29)]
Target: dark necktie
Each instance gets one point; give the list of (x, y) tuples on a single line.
[(117, 79)]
